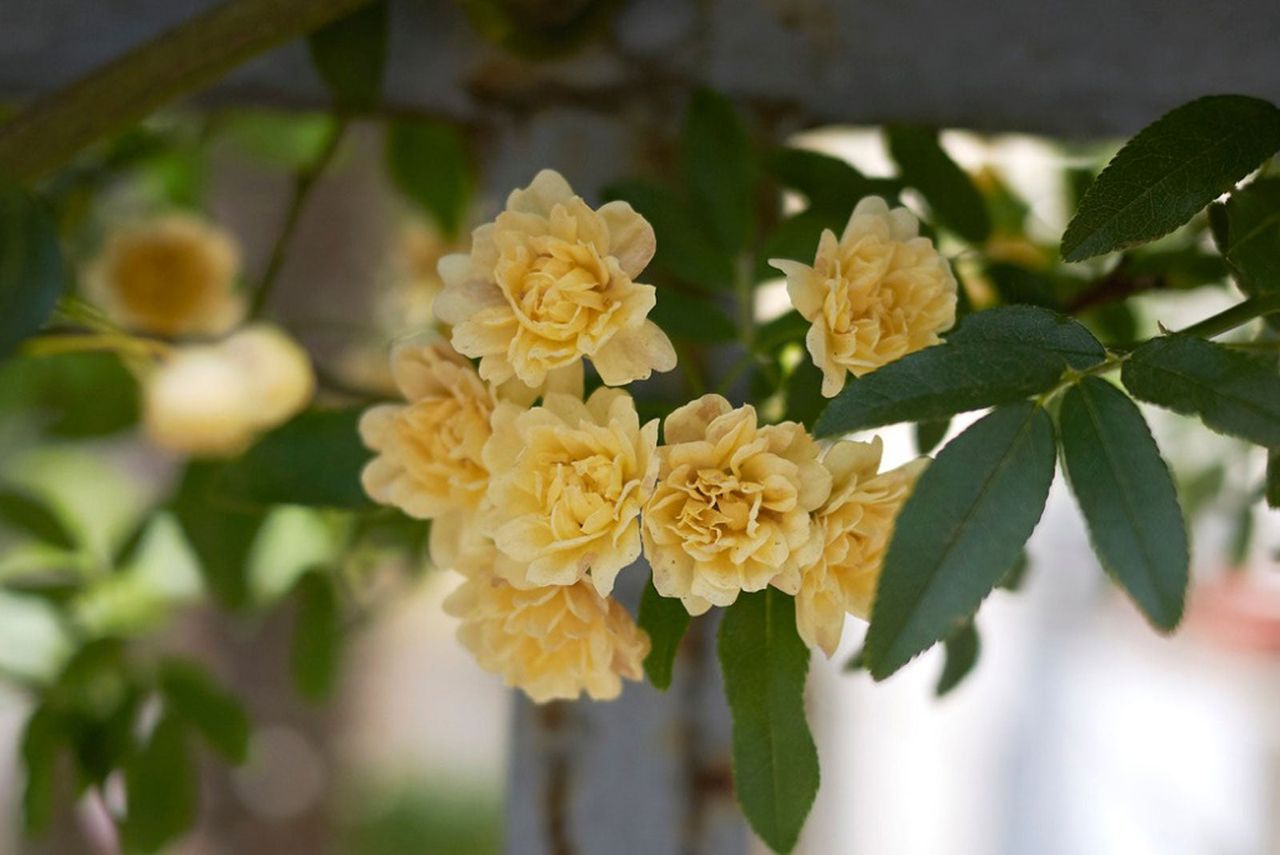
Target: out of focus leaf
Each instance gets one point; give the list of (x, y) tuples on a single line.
[(665, 619), (351, 55), (963, 647), (684, 249), (32, 273), (1248, 235), (195, 695), (831, 185), (1017, 284), (719, 168), (952, 196), (688, 317), (25, 514), (72, 395), (795, 238), (221, 536), (539, 30), (1273, 478), (1017, 574), (930, 433), (42, 742), (804, 394), (162, 789), (790, 328), (317, 636), (429, 163)]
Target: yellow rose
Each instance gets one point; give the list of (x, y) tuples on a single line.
[(731, 511), (569, 481), (275, 368), (553, 642), (873, 296), (552, 281), (174, 276), (856, 524)]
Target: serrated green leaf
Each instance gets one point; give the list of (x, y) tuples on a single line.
[(1171, 170), (43, 739), (952, 196), (351, 55), (1127, 496), (718, 168), (960, 531), (995, 357), (688, 317), (775, 762), (1248, 235), (963, 647), (666, 620), (162, 789), (684, 251), (428, 162), (196, 696), (32, 273), (25, 514), (1230, 392), (317, 636), (929, 434)]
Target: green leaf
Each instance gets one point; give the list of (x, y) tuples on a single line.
[(1171, 170), (429, 163), (775, 763), (929, 434), (1019, 285), (665, 619), (1273, 478), (162, 789), (718, 167), (221, 536), (684, 250), (995, 357), (351, 55), (1248, 235), (962, 529), (795, 238), (72, 395), (783, 330), (22, 513), (963, 647), (1230, 392), (1127, 496), (32, 273), (313, 459), (804, 394), (1017, 574), (195, 695), (317, 636), (832, 186), (539, 31), (688, 317), (42, 743), (952, 196)]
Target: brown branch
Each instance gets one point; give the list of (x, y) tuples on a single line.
[(1116, 286)]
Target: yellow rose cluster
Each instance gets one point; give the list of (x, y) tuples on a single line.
[(540, 507)]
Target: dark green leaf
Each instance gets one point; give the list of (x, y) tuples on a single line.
[(929, 434), (25, 514), (688, 317), (538, 30), (665, 619), (1017, 574), (952, 196), (314, 459), (1231, 393), (1241, 540), (804, 394), (195, 695), (775, 763), (32, 274), (857, 662), (790, 328), (71, 395), (832, 186), (221, 536), (351, 55), (42, 743), (1248, 235), (718, 168), (795, 238), (684, 251), (963, 647), (1127, 496), (1171, 170), (162, 789), (429, 164), (317, 636), (994, 357), (960, 532), (1019, 285), (1273, 478)]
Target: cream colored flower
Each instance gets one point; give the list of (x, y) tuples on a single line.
[(856, 523), (875, 295), (552, 281), (553, 642), (276, 370), (569, 480), (732, 508), (174, 276)]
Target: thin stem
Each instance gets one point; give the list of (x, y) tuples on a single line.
[(125, 345), (1237, 315)]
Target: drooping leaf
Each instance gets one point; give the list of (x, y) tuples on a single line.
[(665, 619), (684, 251), (1171, 170), (952, 196), (832, 186), (196, 696), (689, 317), (775, 762), (162, 789), (1128, 498), (428, 162), (960, 532), (314, 459), (929, 434), (317, 636), (32, 273), (351, 55), (42, 742), (221, 535), (718, 168), (1248, 235), (995, 357), (1230, 392), (963, 647), (23, 513)]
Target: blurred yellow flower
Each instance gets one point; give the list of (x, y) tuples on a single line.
[(855, 525), (732, 508), (873, 296), (173, 276), (408, 304), (569, 480), (553, 642), (552, 281)]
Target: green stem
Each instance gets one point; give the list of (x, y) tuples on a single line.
[(1240, 313), (189, 57)]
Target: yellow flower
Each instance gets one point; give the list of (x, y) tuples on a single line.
[(569, 481), (551, 281), (174, 276), (856, 524), (276, 370), (873, 296), (553, 642), (732, 508)]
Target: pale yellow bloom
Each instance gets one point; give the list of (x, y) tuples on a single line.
[(551, 281), (553, 642), (173, 276), (732, 508), (569, 480), (276, 370), (878, 293), (855, 524)]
